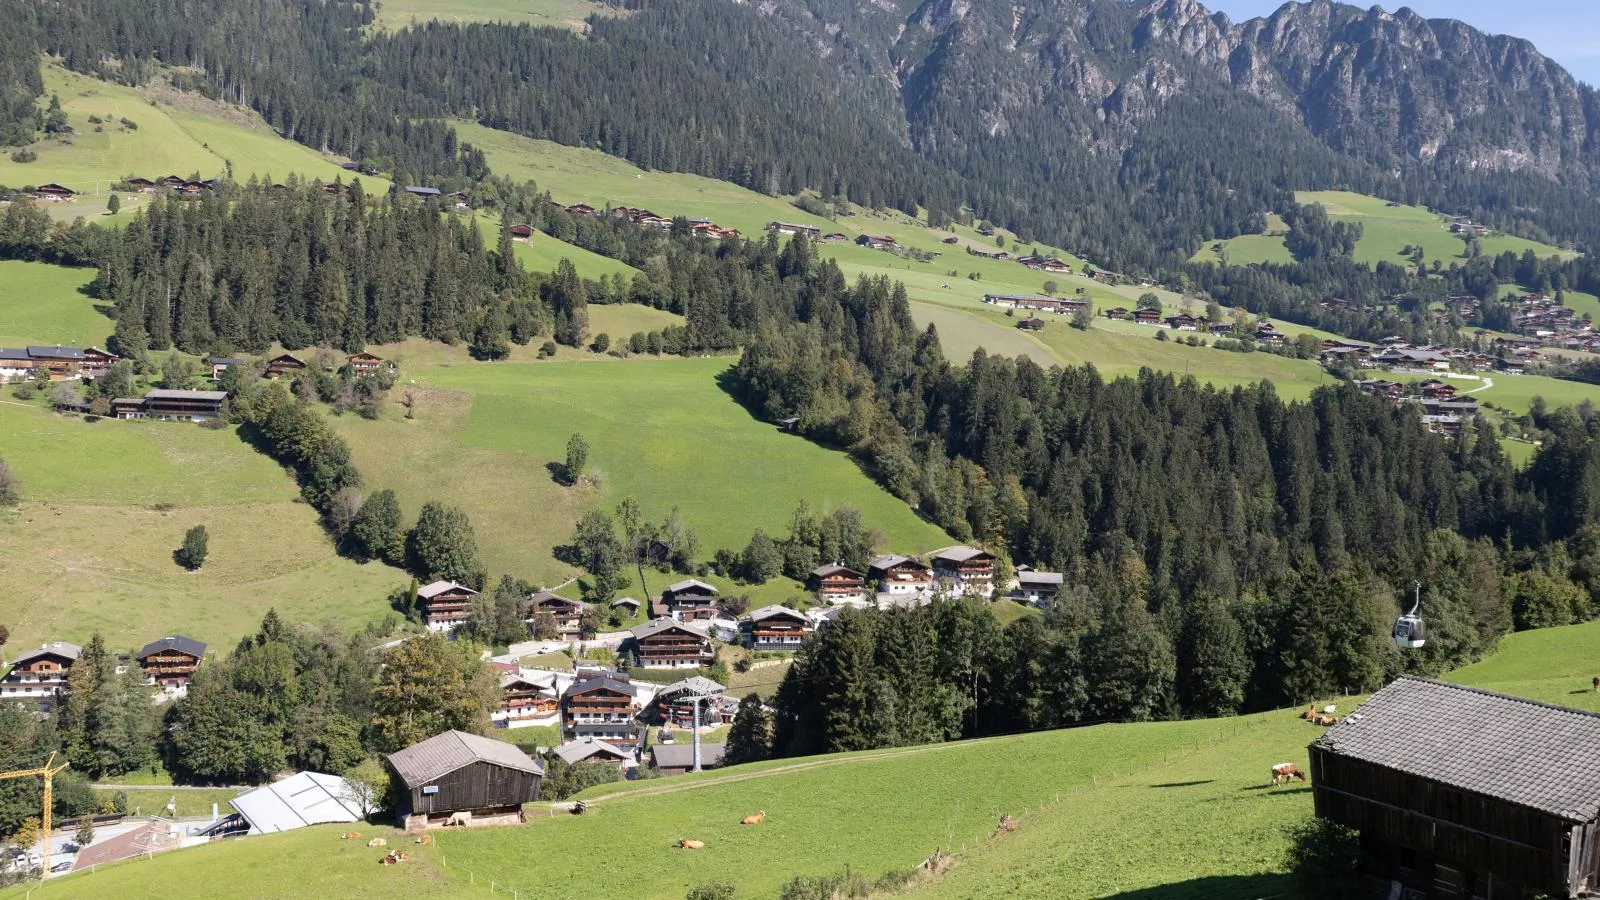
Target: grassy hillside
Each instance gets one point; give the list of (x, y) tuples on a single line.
[(946, 292), (1386, 231), (661, 431), (45, 304), (105, 504), (1172, 810), (176, 134)]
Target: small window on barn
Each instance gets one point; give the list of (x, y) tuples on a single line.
[(1408, 858)]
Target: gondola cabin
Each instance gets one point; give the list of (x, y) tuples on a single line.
[(1461, 793)]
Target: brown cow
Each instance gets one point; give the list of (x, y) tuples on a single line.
[(425, 839), (350, 836), (687, 844), (756, 819), (1282, 773)]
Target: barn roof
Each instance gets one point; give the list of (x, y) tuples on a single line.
[(694, 684), (690, 584), (681, 756), (1519, 751), (54, 648), (657, 626), (444, 753), (430, 591), (584, 749)]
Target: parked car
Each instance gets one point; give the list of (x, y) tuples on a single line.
[(63, 866)]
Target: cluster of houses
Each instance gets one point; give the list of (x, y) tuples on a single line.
[(642, 217), (170, 184), (1444, 411), (38, 677), (1465, 227), (1397, 353), (810, 232), (63, 363)]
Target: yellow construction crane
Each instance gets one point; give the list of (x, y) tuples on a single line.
[(48, 770)]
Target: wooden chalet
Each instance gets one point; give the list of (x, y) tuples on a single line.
[(836, 584), (444, 604), (566, 614), (172, 181), (790, 228), (1037, 588), (674, 704), (170, 661), (589, 750), (171, 406), (965, 569), (581, 209), (602, 705), (900, 575), (426, 193), (1118, 312), (877, 242), (364, 363), (521, 232), (1464, 793), (54, 192), (689, 600), (39, 676), (1266, 334), (1182, 322), (61, 362), (627, 605), (142, 185), (678, 759), (95, 362), (668, 644), (286, 364), (220, 364), (1064, 305), (524, 700), (465, 778), (776, 628), (1147, 316)]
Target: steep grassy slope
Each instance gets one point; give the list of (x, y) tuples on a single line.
[(45, 304), (1172, 810), (175, 134), (105, 504), (661, 431)]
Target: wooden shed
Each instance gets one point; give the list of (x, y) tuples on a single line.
[(463, 777), (1463, 793)]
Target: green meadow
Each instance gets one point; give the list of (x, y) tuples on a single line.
[(104, 504), (45, 304), (396, 14), (1169, 810), (1386, 231), (662, 431)]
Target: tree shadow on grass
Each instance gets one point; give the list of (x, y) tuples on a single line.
[(1178, 784), (1218, 887)]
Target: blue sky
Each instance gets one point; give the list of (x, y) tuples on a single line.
[(1568, 31)]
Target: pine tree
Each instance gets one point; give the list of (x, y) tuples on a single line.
[(577, 458), (750, 736), (1212, 663)]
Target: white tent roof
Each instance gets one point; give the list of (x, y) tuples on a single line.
[(309, 798)]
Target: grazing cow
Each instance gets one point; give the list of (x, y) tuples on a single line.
[(350, 836), (756, 819), (687, 844), (377, 842), (1283, 773), (1597, 682)]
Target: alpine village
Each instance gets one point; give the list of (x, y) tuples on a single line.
[(806, 450)]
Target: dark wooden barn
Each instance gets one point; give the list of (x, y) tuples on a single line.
[(463, 778), (1462, 793)]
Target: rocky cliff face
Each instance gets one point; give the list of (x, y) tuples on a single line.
[(1388, 88)]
